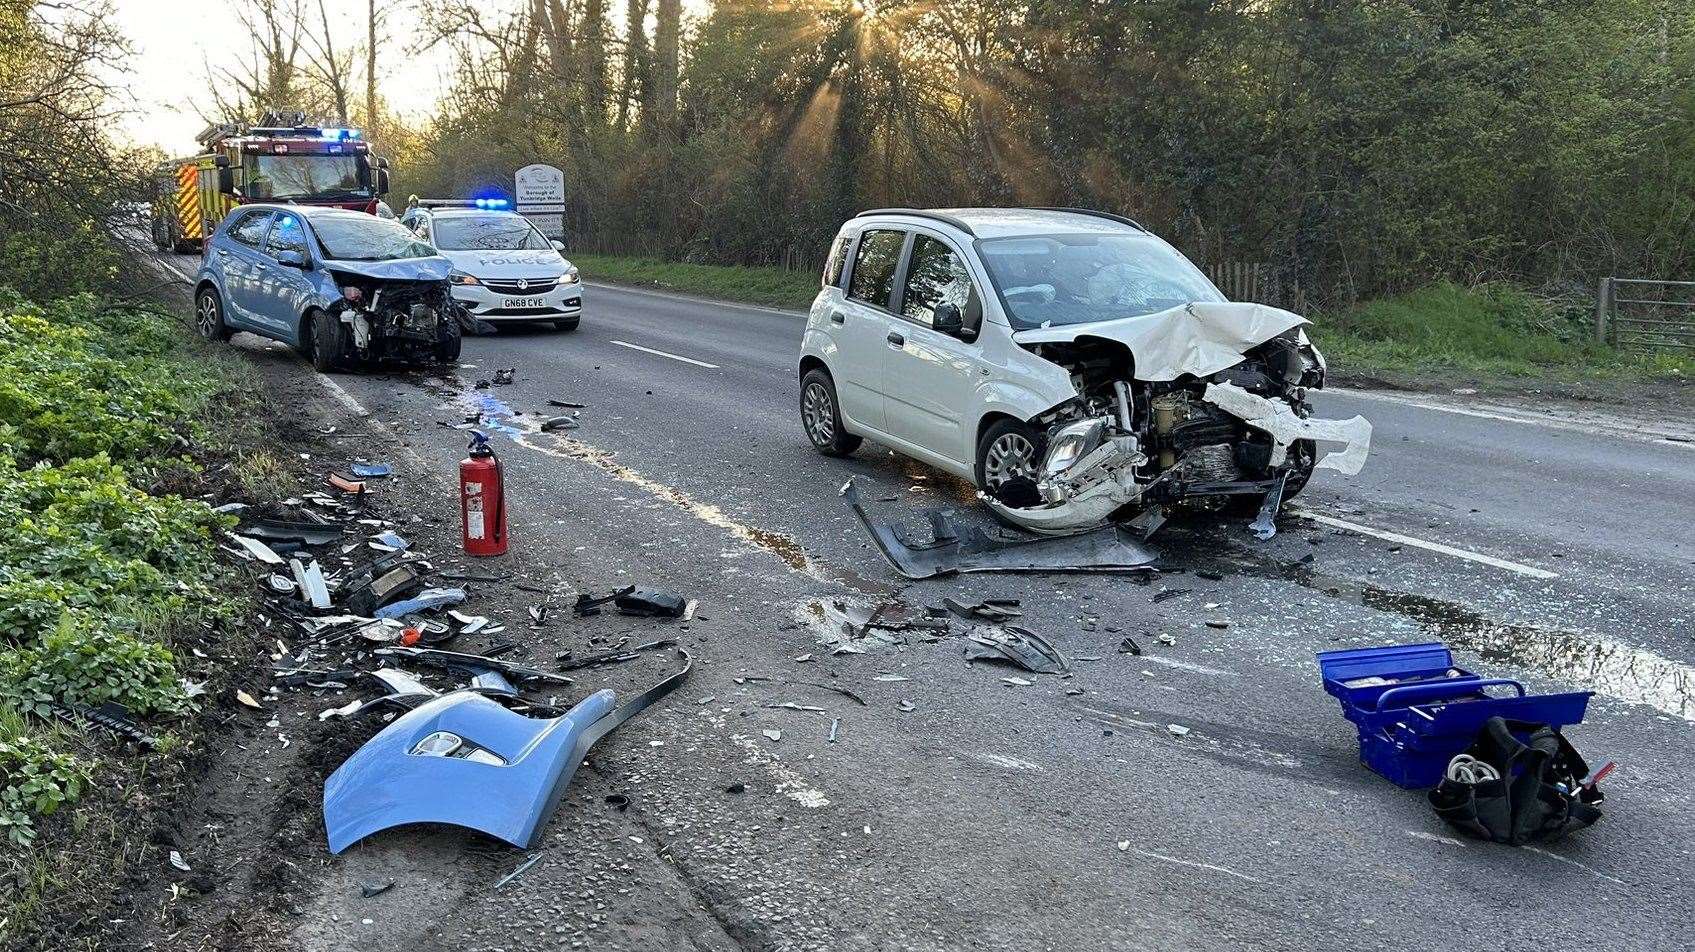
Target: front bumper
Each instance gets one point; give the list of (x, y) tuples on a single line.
[(561, 302)]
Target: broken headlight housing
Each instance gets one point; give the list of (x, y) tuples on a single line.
[(449, 744), (1071, 443)]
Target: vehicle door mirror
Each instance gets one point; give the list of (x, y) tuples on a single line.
[(362, 171), (290, 258), (558, 245), (947, 319), (226, 180), (382, 181)]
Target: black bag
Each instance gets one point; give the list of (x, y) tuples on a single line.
[(1540, 793)]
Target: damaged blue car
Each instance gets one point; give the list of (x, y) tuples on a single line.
[(342, 287)]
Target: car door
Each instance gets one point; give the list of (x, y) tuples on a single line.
[(239, 257), (287, 289), (931, 377), (860, 325)]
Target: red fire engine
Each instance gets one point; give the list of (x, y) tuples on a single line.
[(282, 159)]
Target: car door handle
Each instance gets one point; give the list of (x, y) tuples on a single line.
[(223, 253), (897, 339), (837, 317)]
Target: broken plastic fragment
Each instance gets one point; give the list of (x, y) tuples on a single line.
[(1285, 427), (427, 600), (370, 470), (1018, 646)]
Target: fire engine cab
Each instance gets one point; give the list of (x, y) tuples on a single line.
[(282, 159)]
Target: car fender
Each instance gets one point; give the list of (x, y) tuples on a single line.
[(385, 785), (1024, 386)]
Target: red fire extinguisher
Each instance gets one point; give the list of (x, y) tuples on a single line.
[(482, 499)]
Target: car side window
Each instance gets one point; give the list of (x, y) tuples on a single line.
[(287, 234), (936, 275), (837, 262), (873, 278), (250, 231)]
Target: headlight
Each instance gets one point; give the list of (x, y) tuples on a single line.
[(572, 276), (460, 277), (1072, 443)]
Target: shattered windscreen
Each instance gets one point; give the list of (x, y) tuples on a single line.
[(1076, 279), (487, 233), (279, 177), (355, 237)]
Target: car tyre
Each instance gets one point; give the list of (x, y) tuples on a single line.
[(1009, 449), (447, 349), (821, 415), (329, 342), (209, 315)]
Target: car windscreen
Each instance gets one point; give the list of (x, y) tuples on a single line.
[(277, 177), (487, 233), (1074, 279), (367, 238)]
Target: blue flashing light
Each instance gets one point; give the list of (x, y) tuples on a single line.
[(495, 203)]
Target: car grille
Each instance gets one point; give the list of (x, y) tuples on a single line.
[(510, 286)]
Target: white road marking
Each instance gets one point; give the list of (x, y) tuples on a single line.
[(1588, 869), (1194, 865), (661, 353), (1457, 553), (1434, 838)]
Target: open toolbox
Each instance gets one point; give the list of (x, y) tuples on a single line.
[(1415, 709)]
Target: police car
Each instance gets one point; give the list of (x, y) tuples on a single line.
[(504, 270)]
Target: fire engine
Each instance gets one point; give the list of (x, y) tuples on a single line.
[(281, 159)]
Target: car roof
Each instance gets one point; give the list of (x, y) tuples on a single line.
[(1008, 222), (310, 211)]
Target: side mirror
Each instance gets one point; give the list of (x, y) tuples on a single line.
[(362, 171), (292, 259), (226, 179), (382, 181), (558, 246), (947, 319)]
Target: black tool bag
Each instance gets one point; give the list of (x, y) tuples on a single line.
[(1540, 794)]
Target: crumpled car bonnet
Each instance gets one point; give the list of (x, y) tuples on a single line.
[(433, 268), (1200, 338)]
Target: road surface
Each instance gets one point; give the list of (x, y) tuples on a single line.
[(1206, 793)]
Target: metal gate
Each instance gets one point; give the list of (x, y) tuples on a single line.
[(1257, 282), (1642, 314)]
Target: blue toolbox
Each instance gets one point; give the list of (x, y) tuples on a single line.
[(1415, 709)]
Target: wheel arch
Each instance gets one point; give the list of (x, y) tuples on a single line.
[(811, 362)]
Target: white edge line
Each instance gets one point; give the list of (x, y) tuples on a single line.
[(1528, 418), (1466, 554), (1194, 865), (661, 353)]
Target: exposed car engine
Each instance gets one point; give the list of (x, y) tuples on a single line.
[(398, 320), (1126, 444)]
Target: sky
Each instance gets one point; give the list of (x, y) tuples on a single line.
[(174, 39)]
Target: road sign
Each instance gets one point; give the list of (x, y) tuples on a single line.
[(541, 198)]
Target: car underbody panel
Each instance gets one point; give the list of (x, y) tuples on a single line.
[(1187, 406)]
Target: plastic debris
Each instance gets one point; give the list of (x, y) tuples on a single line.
[(370, 470), (427, 600)]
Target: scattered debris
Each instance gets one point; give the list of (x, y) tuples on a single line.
[(300, 533), (566, 422), (835, 725), (774, 735), (309, 579), (1017, 646), (952, 549), (427, 600), (1177, 730), (256, 549), (1129, 646), (1218, 623), (737, 787), (515, 873), (114, 718), (566, 405), (246, 699), (371, 470), (180, 863), (504, 377), (372, 892), (347, 484), (1264, 525), (1165, 594), (989, 609), (1017, 682), (651, 603)]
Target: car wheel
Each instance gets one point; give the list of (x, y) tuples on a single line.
[(821, 415), (329, 342), (209, 315), (1008, 454), (447, 349)]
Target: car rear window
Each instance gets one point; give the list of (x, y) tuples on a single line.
[(837, 262), (873, 279)]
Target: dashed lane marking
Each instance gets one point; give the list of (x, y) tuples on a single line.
[(661, 353), (1458, 553)]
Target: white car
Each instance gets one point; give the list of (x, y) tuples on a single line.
[(1071, 364), (504, 270)]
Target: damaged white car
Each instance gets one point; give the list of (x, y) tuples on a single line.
[(1074, 366)]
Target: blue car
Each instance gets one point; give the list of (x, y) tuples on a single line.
[(342, 287)]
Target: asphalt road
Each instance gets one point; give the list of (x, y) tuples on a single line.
[(955, 810)]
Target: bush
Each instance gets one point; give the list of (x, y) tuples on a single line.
[(90, 663), (33, 779), (64, 395)]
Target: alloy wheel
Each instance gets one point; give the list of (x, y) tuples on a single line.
[(207, 316), (1011, 456), (818, 413)]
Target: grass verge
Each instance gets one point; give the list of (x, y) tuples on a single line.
[(111, 420), (769, 287), (1487, 332)]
